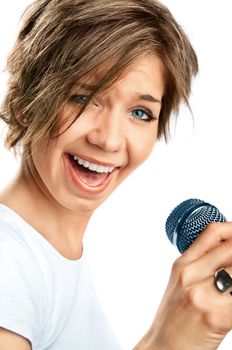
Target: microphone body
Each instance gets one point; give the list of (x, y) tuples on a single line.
[(188, 219)]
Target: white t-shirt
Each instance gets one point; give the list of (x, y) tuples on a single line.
[(45, 297)]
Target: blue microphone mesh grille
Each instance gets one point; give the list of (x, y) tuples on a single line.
[(188, 219)]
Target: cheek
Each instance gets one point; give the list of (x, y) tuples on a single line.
[(45, 163), (41, 164), (141, 149)]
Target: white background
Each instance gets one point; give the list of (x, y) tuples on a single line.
[(129, 253)]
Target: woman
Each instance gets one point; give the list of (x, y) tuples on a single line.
[(92, 86)]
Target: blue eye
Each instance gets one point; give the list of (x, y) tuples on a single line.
[(142, 114), (79, 98)]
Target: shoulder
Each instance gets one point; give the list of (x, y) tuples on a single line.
[(18, 268), (22, 306), (9, 223), (17, 238), (13, 245), (21, 263)]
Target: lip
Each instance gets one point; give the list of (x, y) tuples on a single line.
[(83, 186), (95, 161)]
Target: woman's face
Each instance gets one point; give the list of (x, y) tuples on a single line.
[(111, 138)]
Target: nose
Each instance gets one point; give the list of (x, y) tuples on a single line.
[(107, 132)]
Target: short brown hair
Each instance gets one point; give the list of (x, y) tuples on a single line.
[(62, 41)]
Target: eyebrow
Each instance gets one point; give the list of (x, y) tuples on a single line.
[(146, 97), (149, 98), (85, 86)]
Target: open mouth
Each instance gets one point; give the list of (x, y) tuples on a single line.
[(87, 175)]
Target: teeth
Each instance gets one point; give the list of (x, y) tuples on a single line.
[(92, 166), (86, 164), (80, 161), (102, 169)]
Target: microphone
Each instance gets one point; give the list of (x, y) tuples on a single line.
[(188, 219)]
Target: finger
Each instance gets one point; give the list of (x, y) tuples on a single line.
[(213, 235), (213, 304), (200, 269)]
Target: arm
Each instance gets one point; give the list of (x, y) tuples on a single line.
[(193, 314), (12, 341)]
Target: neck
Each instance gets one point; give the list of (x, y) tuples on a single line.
[(63, 228)]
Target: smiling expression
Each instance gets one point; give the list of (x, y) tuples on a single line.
[(112, 137)]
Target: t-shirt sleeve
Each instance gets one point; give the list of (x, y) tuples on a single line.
[(20, 303)]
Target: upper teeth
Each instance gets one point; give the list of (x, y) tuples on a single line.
[(93, 166)]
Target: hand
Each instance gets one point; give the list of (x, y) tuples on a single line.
[(193, 314)]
